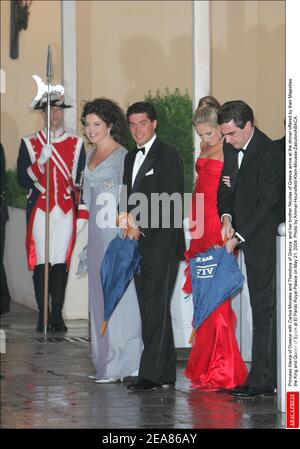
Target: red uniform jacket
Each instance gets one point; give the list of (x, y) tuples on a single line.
[(66, 166)]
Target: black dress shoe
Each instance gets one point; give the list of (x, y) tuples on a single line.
[(270, 393), (130, 379), (58, 327), (236, 391), (168, 385), (252, 393), (144, 385)]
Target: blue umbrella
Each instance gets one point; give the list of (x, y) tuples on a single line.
[(215, 277), (119, 264)]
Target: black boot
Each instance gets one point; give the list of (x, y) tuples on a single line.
[(58, 283), (5, 295), (38, 283)]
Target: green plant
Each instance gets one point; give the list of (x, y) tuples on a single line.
[(174, 115), (16, 195)]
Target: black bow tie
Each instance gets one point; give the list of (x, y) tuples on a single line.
[(140, 149), (242, 150)]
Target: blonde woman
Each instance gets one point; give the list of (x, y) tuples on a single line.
[(215, 362)]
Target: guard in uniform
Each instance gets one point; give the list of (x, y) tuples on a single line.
[(66, 154)]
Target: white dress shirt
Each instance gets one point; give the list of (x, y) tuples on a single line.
[(240, 158), (140, 157), (241, 154)]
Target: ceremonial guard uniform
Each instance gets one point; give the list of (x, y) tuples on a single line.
[(66, 164)]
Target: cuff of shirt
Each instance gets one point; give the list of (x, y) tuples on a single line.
[(82, 212), (239, 237)]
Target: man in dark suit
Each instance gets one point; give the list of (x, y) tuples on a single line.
[(250, 211), (154, 169), (5, 295)]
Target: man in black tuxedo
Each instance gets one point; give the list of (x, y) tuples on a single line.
[(5, 295), (154, 168), (250, 211)]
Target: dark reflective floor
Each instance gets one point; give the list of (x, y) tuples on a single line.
[(44, 384)]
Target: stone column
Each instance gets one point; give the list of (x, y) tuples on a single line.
[(69, 61), (76, 299), (201, 56)]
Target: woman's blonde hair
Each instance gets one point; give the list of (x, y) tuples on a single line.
[(207, 111)]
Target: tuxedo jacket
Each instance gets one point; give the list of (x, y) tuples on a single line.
[(160, 173), (255, 195), (3, 200)]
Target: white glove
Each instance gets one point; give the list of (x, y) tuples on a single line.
[(45, 154), (80, 225)]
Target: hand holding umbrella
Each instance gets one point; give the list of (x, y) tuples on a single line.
[(126, 222), (191, 339), (215, 277), (120, 262)]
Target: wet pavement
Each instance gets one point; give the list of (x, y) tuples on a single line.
[(44, 385)]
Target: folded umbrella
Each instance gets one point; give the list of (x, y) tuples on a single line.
[(119, 264), (215, 277)]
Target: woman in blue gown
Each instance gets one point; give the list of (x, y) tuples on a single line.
[(116, 354)]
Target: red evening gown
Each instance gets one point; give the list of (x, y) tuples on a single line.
[(215, 361)]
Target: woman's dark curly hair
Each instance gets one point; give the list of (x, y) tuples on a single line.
[(111, 113)]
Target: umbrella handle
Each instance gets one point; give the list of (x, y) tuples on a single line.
[(103, 328)]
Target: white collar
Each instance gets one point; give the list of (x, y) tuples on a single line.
[(56, 133), (148, 145), (247, 143)]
